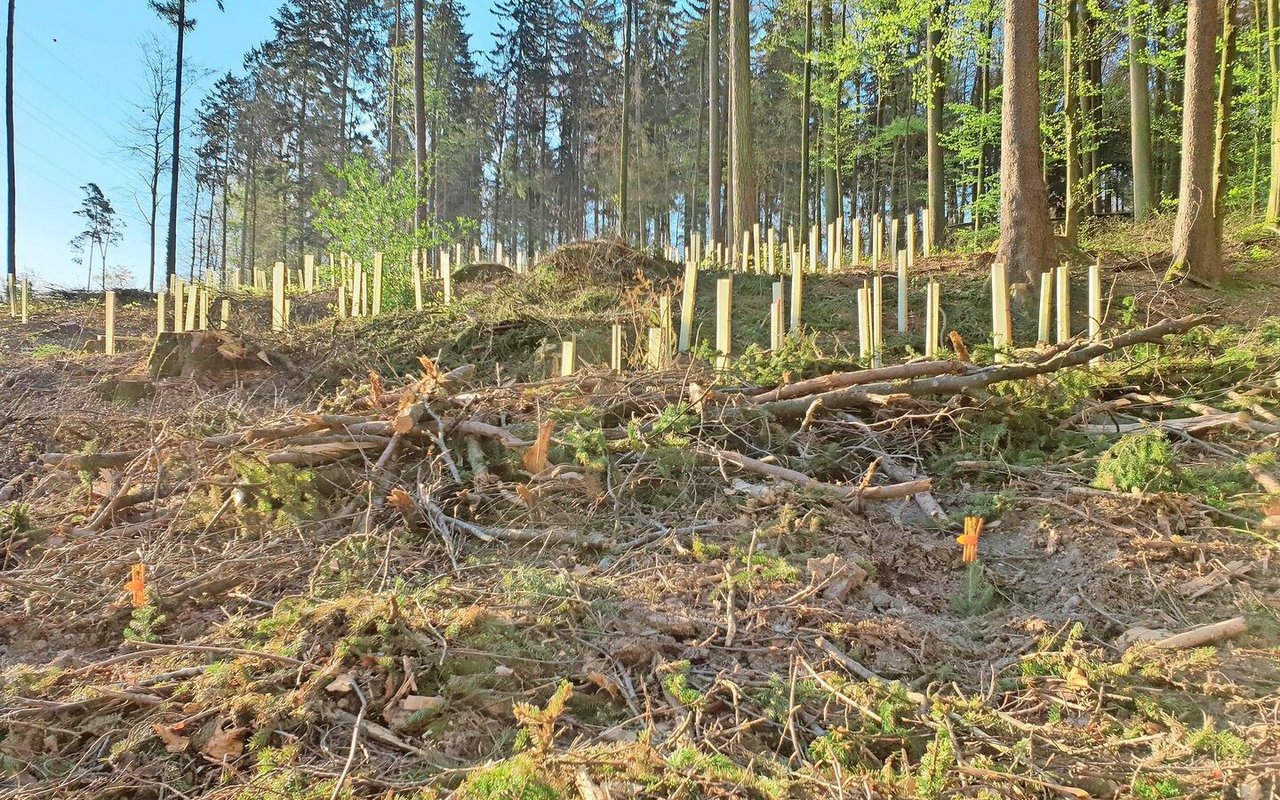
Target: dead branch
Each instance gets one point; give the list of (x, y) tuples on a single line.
[(800, 479), (976, 378)]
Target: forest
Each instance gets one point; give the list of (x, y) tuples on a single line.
[(654, 121), (670, 399)]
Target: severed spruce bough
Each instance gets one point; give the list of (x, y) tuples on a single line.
[(657, 584)]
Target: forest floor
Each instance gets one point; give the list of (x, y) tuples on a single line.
[(392, 558)]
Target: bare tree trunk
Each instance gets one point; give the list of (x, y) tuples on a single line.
[(805, 114), (1196, 247), (11, 232), (171, 249), (393, 101), (1273, 52), (742, 181), (1226, 85), (937, 206), (1140, 124), (715, 155), (1027, 247), (830, 127), (625, 144), (419, 117), (1071, 118)]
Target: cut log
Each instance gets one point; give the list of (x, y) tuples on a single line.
[(1203, 635)]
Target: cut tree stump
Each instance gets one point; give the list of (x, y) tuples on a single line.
[(203, 352)]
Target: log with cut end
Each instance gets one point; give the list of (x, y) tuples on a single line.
[(1203, 635)]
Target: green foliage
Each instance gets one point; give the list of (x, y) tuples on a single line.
[(518, 778), (798, 358), (776, 698), (279, 491), (939, 758), (1147, 788), (1222, 745), (372, 214), (143, 622), (976, 593), (49, 351), (1141, 461), (676, 682), (14, 519)]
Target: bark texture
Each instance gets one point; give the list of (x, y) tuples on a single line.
[(1196, 248), (1027, 247)]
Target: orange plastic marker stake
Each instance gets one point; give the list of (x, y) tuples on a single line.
[(137, 584), (969, 540)]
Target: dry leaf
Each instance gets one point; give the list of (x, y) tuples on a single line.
[(1076, 679), (419, 702), (172, 741), (401, 501), (225, 745), (342, 684), (535, 458)]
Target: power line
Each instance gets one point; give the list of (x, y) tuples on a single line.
[(59, 129), (78, 74), (58, 96), (32, 151)]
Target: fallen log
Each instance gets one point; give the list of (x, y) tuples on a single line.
[(976, 378), (1203, 635), (1189, 425), (89, 461), (750, 464), (924, 500), (840, 380)]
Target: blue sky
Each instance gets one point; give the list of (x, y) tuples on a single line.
[(76, 73)]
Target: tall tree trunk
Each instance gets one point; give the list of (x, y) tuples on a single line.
[(830, 126), (805, 114), (742, 182), (11, 232), (1071, 39), (1226, 85), (625, 144), (1140, 124), (393, 101), (171, 245), (984, 103), (937, 206), (419, 118), (715, 135), (1027, 247), (1273, 53), (1196, 247)]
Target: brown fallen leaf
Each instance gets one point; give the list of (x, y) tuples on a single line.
[(225, 745), (172, 741), (418, 702), (535, 458)]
